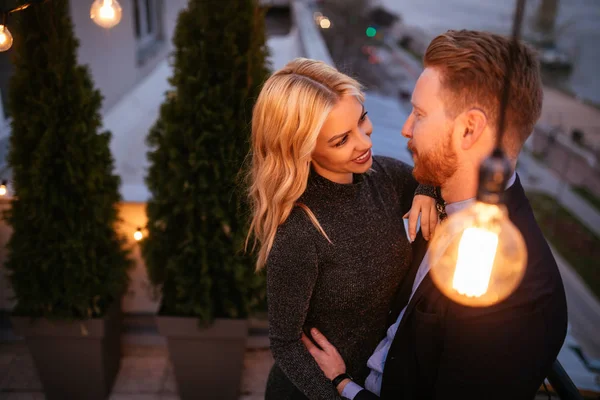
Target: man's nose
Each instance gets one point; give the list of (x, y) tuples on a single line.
[(407, 127)]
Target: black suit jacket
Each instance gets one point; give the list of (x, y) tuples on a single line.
[(445, 350)]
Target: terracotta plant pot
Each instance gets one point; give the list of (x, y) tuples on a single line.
[(208, 362)]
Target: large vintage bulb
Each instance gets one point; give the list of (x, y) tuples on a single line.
[(477, 256)]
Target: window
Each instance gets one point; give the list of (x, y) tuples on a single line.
[(148, 32)]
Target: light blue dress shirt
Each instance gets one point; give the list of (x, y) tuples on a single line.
[(377, 361)]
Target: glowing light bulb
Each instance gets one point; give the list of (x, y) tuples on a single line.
[(6, 39), (325, 23), (3, 189), (477, 256), (138, 235), (106, 13)]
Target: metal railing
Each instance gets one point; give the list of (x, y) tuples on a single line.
[(562, 384)]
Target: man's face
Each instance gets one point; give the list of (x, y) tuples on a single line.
[(430, 132)]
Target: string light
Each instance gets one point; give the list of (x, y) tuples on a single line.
[(3, 189), (325, 23), (6, 38), (106, 13), (138, 235)]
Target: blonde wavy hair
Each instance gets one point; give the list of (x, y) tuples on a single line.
[(287, 118)]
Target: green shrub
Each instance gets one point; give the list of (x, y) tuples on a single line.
[(65, 259), (197, 218)]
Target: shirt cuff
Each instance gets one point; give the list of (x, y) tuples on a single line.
[(351, 390)]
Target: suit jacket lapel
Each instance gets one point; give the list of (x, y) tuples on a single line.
[(514, 197), (423, 289), (402, 297)]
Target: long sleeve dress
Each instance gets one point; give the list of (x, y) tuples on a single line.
[(343, 288)]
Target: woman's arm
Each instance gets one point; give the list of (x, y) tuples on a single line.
[(416, 200), (292, 270)]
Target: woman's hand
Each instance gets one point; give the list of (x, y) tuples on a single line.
[(327, 356), (424, 206)]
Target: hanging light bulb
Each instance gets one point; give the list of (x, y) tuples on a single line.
[(477, 256), (138, 235), (106, 13), (6, 39), (3, 189)]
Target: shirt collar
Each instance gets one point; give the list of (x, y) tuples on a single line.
[(452, 208)]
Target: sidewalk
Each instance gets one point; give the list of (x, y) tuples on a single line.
[(132, 117), (544, 180)]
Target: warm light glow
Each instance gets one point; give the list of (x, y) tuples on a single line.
[(477, 256), (106, 13), (138, 235), (3, 190), (6, 39), (325, 23), (476, 253)]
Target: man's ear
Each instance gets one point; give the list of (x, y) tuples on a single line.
[(473, 123)]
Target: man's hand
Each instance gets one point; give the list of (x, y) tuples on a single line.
[(329, 360), (425, 206)]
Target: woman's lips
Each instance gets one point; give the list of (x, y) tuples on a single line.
[(366, 156)]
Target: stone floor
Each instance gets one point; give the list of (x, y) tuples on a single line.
[(145, 374)]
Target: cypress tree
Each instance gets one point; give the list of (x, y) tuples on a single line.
[(65, 259), (197, 220)]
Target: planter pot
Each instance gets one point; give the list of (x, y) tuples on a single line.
[(75, 360), (207, 362)]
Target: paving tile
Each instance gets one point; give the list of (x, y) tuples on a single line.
[(169, 397), (22, 396), (170, 385), (131, 396), (5, 362), (257, 365), (21, 375), (140, 375)]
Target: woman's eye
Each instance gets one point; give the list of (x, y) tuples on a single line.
[(342, 142)]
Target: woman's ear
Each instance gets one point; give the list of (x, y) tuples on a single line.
[(474, 123)]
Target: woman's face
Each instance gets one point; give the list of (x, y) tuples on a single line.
[(344, 143)]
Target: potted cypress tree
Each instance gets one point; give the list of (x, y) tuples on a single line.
[(66, 263), (196, 217)]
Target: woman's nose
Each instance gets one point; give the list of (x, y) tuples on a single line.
[(364, 139)]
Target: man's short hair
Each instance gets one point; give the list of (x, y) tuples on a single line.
[(473, 67)]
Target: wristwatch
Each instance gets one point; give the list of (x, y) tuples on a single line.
[(338, 379)]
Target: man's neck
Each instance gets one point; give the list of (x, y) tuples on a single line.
[(459, 187), (463, 184)]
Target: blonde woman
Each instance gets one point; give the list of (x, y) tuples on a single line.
[(328, 221)]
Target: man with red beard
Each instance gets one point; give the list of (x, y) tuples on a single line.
[(435, 348)]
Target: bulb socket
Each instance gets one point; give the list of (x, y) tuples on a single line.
[(494, 173)]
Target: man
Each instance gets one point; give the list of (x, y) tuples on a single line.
[(435, 348)]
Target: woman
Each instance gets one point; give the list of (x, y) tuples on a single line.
[(327, 216)]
